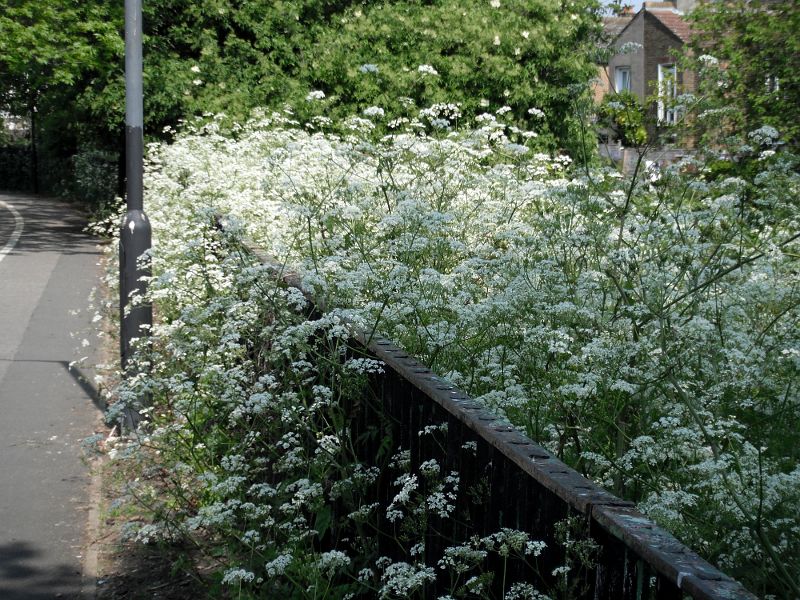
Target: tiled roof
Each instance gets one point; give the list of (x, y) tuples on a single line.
[(674, 22), (613, 26)]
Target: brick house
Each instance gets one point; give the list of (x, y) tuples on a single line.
[(653, 36)]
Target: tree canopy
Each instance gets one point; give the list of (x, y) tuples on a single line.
[(749, 51), (48, 51), (522, 54), (65, 60), (44, 45)]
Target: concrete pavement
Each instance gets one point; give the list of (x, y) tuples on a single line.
[(47, 269)]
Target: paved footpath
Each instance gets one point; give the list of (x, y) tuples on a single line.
[(47, 269)]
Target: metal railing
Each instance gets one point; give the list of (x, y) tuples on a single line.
[(508, 481)]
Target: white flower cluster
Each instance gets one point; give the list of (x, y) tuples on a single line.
[(629, 48), (400, 579), (407, 483), (332, 561), (374, 112), (235, 576), (427, 70), (764, 135), (278, 565), (447, 111), (644, 329), (364, 365), (708, 60), (461, 558)]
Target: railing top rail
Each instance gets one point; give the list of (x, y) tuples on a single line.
[(661, 550)]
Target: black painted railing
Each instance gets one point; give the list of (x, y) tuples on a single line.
[(508, 481)]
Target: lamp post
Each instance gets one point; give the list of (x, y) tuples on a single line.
[(135, 236)]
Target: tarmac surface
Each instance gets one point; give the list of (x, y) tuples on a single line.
[(48, 267)]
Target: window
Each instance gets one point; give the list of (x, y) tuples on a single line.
[(667, 93), (622, 79), (772, 83)]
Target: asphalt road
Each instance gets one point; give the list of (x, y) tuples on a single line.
[(47, 269)]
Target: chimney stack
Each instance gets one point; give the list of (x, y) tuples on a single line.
[(651, 5)]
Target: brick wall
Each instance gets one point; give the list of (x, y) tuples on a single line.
[(633, 33)]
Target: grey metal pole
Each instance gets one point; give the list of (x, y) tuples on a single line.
[(135, 236)]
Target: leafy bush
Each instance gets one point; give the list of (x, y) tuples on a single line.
[(645, 331), (94, 180), (15, 167), (477, 55), (748, 58), (63, 63), (623, 113), (248, 449)]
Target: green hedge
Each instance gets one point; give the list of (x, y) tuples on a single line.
[(15, 168)]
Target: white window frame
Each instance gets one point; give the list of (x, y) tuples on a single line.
[(772, 83), (667, 93), (622, 76)]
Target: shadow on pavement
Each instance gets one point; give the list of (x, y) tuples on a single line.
[(81, 377), (50, 226), (84, 380), (21, 579)]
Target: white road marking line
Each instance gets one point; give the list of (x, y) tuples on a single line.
[(19, 224)]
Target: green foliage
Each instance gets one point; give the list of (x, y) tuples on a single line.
[(15, 168), (754, 77), (48, 44), (644, 331), (214, 56), (94, 181), (49, 53), (62, 63), (485, 54), (624, 114)]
